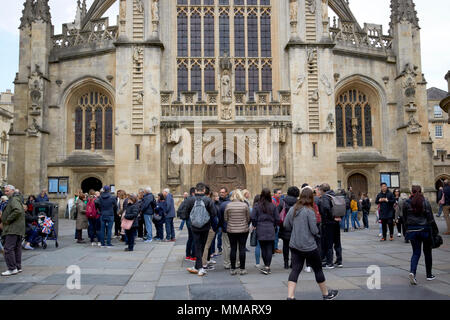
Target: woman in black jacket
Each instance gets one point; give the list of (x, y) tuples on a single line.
[(419, 218), (132, 213), (265, 218), (292, 196)]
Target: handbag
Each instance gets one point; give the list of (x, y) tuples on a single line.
[(157, 218), (253, 240), (126, 224), (436, 239)]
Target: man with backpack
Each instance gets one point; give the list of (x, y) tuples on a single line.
[(201, 210), (332, 208)]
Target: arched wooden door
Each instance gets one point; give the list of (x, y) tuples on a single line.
[(231, 176), (358, 182)]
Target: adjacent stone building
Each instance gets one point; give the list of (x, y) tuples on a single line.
[(6, 119), (98, 104)]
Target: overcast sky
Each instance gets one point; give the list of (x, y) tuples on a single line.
[(433, 16)]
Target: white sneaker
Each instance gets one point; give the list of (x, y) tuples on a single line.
[(212, 261), (308, 269), (10, 273), (93, 244), (258, 266), (99, 244), (380, 234), (412, 279), (399, 235), (202, 272)]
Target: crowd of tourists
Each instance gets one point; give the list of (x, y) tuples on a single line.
[(308, 220)]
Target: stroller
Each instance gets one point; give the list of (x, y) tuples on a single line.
[(47, 223)]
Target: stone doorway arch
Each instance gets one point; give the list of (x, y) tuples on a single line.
[(91, 183), (359, 184), (440, 181)]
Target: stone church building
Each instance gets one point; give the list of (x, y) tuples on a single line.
[(99, 103)]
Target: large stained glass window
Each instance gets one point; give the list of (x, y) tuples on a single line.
[(94, 107), (353, 109)]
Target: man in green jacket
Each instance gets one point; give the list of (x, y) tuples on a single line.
[(13, 219)]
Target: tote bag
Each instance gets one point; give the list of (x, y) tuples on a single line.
[(127, 224)]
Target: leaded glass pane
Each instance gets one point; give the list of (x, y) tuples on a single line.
[(252, 32), (348, 126), (99, 129), (87, 128), (196, 35), (182, 79), (182, 32), (78, 128), (266, 40), (339, 127), (196, 80), (108, 128), (209, 35), (239, 35), (368, 125), (359, 133), (240, 78), (267, 78), (224, 22), (253, 81), (210, 79)]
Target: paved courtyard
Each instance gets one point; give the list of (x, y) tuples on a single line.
[(158, 271)]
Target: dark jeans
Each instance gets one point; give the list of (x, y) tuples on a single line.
[(32, 236), (267, 251), (416, 244), (159, 226), (106, 230), (332, 234), (200, 242), (141, 230), (190, 245), (286, 250), (401, 226), (219, 240), (384, 224), (93, 229), (117, 225), (170, 230), (131, 235), (13, 252), (235, 239), (312, 258), (366, 219)]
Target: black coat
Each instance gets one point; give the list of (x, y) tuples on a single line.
[(265, 222), (366, 205), (447, 195), (132, 213), (289, 201), (411, 218), (386, 208)]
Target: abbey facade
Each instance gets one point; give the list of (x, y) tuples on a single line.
[(101, 104)]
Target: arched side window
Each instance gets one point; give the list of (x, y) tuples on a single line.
[(353, 120), (94, 117)]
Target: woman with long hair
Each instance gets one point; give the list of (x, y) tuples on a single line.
[(264, 219), (419, 221), (301, 220), (237, 217)]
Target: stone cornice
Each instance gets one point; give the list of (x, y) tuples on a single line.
[(301, 44), (148, 43)]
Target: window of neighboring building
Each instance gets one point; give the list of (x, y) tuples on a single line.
[(437, 112), (438, 132), (392, 180)]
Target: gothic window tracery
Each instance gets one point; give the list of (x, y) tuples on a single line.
[(244, 35), (93, 114), (353, 119)]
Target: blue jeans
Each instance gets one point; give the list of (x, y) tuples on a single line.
[(170, 230), (106, 228), (93, 229), (182, 224), (219, 240), (416, 243), (345, 222), (276, 238), (355, 220), (257, 253), (441, 208), (148, 225)]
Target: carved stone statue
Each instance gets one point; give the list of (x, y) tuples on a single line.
[(34, 128), (311, 6), (137, 54), (155, 10), (282, 164), (300, 80), (226, 112), (327, 84), (173, 169), (226, 87), (330, 122), (139, 5), (293, 10), (315, 96), (140, 97), (311, 54)]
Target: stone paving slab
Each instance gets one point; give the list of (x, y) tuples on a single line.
[(43, 289), (106, 297), (94, 279), (106, 290), (215, 292), (172, 293), (34, 297), (139, 287), (14, 288), (136, 296)]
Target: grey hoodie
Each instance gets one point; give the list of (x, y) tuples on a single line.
[(304, 229)]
